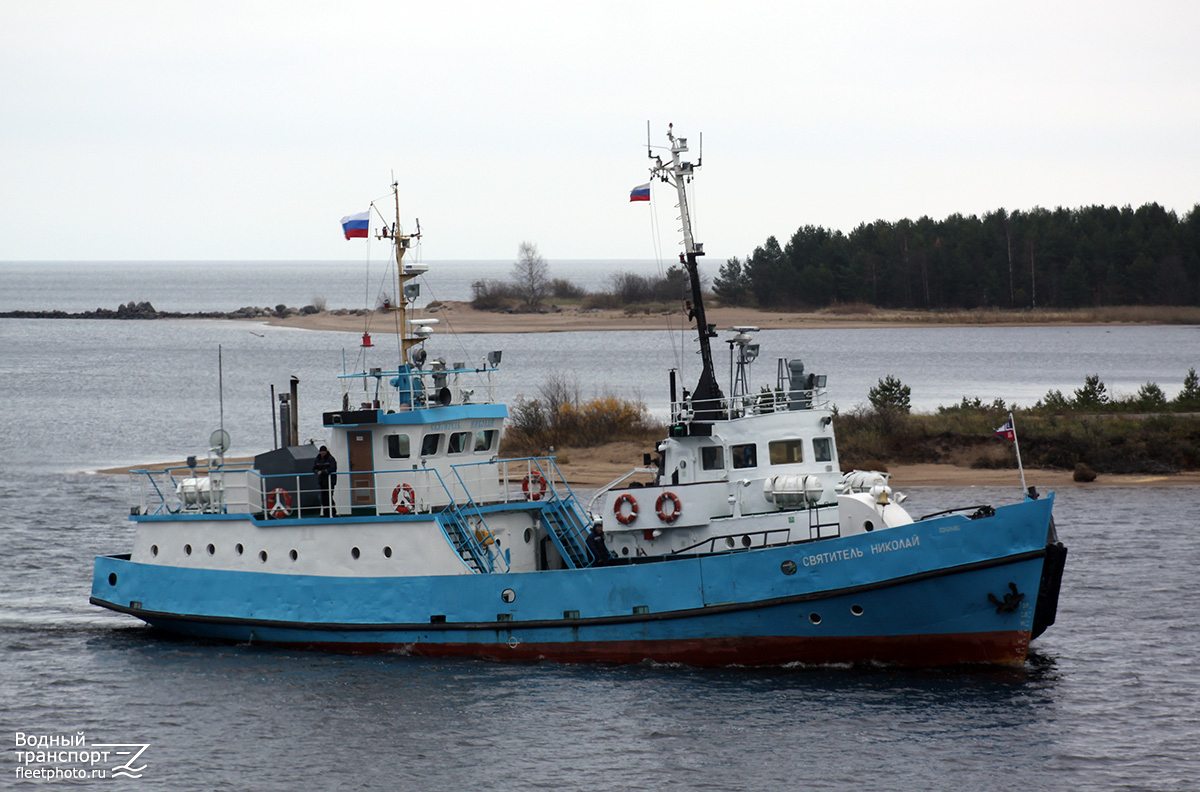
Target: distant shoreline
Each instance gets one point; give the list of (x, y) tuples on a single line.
[(462, 318)]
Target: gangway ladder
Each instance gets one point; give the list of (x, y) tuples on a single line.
[(568, 526), (458, 531)]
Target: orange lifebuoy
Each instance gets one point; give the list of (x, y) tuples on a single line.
[(532, 480), (403, 498), (623, 518), (279, 503), (676, 507)]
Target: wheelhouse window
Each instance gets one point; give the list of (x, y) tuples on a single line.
[(458, 443), (398, 446), (744, 456), (823, 449), (786, 452), (712, 458), (485, 440), (430, 444)]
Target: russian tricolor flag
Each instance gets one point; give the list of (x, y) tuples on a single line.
[(356, 225), (640, 193)]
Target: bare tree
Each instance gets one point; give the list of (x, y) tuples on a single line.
[(530, 274)]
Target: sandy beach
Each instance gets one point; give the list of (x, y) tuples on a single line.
[(460, 317)]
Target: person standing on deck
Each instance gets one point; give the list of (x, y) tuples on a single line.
[(597, 547), (325, 468)]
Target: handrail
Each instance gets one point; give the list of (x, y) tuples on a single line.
[(600, 493), (739, 406), (711, 542)]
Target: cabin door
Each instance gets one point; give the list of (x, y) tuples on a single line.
[(362, 467)]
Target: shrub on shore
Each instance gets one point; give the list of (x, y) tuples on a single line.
[(1140, 433), (561, 418)]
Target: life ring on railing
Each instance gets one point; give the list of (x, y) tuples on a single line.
[(676, 507), (534, 479), (622, 517), (279, 503), (403, 498)]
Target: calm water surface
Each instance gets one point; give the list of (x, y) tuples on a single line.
[(1107, 701)]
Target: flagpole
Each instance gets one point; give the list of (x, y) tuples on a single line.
[(1017, 445)]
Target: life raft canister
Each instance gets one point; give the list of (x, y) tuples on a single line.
[(279, 503), (403, 498), (676, 507), (622, 517), (534, 486)]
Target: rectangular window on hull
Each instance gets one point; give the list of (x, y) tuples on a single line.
[(712, 458), (823, 449), (744, 456), (430, 444), (786, 452), (397, 446)]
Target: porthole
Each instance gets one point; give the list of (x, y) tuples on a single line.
[(528, 535), (262, 556), (745, 541), (154, 550), (868, 526), (239, 548), (815, 618), (508, 595), (788, 567), (112, 578), (212, 550), (729, 542), (387, 552), (293, 555), (857, 610), (187, 549), (624, 551), (355, 553)]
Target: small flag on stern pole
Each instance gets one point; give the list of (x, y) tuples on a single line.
[(356, 225), (640, 193), (1009, 432)]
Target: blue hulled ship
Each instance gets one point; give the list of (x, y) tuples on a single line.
[(738, 541)]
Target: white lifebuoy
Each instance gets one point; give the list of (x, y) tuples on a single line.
[(404, 498), (676, 507), (279, 503), (622, 517), (534, 479)]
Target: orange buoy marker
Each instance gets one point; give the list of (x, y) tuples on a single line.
[(367, 340)]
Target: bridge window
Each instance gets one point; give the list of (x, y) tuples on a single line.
[(712, 458), (823, 449), (398, 446), (786, 452), (485, 440), (430, 444), (458, 443), (744, 456)]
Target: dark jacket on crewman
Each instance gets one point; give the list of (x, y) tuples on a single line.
[(326, 469)]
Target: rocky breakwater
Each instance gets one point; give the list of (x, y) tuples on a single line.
[(144, 310)]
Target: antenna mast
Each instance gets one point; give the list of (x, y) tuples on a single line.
[(402, 243), (707, 399)]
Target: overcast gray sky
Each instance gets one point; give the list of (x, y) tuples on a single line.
[(245, 130)]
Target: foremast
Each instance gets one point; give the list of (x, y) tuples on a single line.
[(402, 242), (707, 400)]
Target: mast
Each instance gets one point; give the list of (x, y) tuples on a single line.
[(707, 398), (402, 243)]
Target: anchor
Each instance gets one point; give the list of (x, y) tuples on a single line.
[(1011, 601)]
